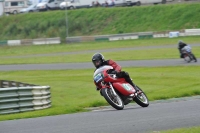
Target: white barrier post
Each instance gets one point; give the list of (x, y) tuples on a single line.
[(174, 34)]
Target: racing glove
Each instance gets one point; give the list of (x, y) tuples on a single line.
[(113, 72)]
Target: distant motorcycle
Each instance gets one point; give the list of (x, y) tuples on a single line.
[(116, 91), (187, 54)]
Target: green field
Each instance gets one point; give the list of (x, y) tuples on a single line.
[(26, 54), (73, 90), (181, 130), (100, 21)]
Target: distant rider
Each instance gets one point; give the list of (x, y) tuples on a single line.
[(98, 61), (184, 46)]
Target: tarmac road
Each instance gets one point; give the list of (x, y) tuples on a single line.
[(100, 50), (158, 116), (88, 65)]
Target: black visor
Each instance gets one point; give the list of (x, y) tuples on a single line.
[(97, 63)]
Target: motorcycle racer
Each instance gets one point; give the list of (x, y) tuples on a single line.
[(98, 61), (184, 46)]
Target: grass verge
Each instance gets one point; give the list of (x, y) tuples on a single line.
[(100, 21), (195, 129), (26, 54), (73, 90)]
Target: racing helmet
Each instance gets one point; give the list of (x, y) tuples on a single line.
[(98, 59), (180, 42)]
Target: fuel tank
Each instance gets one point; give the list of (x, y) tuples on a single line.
[(124, 88)]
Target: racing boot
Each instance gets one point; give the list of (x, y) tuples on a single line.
[(131, 83), (195, 59)]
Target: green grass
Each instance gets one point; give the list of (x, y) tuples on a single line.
[(181, 130), (99, 21), (140, 54), (37, 49), (164, 53), (73, 90)]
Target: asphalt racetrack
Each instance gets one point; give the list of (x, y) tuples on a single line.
[(88, 65), (158, 116)]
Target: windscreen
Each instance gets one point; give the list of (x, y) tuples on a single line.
[(101, 69), (98, 73)]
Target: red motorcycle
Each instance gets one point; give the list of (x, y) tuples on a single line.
[(117, 91)]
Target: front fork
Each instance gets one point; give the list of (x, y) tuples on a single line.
[(113, 90)]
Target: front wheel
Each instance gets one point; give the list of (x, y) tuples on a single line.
[(191, 56), (15, 12), (141, 99), (115, 101), (187, 58)]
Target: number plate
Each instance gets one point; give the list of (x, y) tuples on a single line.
[(98, 78), (127, 87)]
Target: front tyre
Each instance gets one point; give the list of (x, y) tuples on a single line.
[(141, 99), (115, 101), (187, 58), (191, 57), (15, 12)]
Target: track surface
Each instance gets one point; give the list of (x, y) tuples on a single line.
[(133, 119), (88, 65)]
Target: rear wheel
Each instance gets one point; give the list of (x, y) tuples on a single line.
[(15, 12), (187, 58), (115, 101), (141, 99), (138, 3), (71, 7)]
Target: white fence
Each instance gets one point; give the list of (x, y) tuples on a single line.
[(43, 41), (114, 37), (14, 42), (192, 32), (139, 35), (40, 41)]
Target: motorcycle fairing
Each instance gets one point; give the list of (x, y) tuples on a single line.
[(124, 88)]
